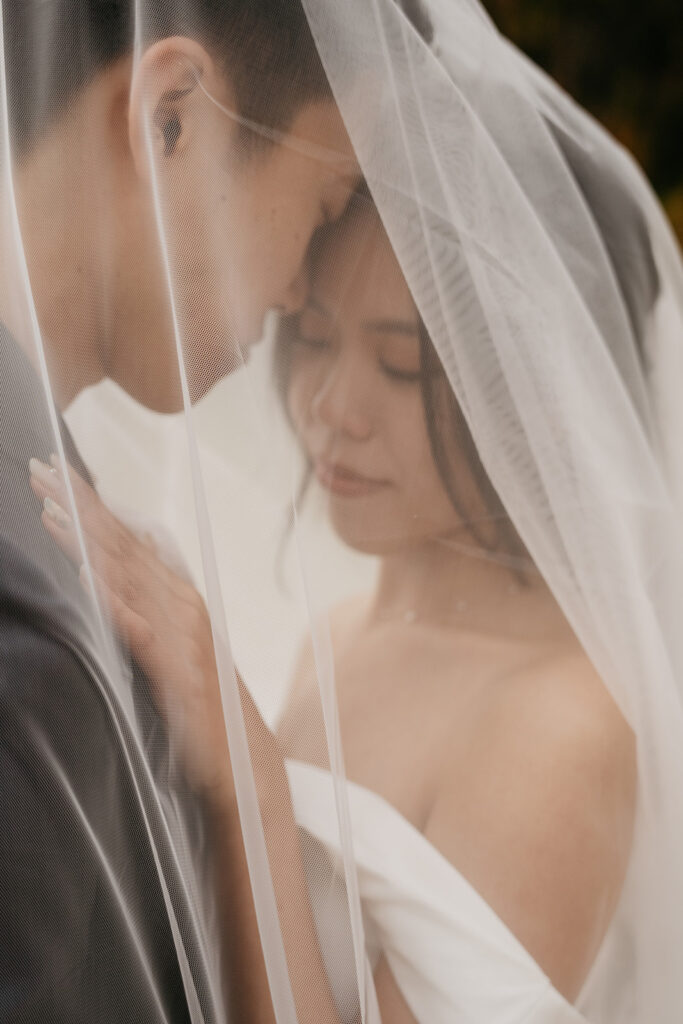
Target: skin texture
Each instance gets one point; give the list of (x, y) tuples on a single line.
[(498, 740), (235, 230)]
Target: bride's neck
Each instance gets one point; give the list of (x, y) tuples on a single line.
[(449, 583)]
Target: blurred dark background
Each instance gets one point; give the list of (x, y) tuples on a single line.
[(624, 63)]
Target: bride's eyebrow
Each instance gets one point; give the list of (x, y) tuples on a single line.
[(406, 328)]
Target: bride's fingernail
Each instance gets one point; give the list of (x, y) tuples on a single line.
[(57, 513), (56, 464), (42, 473)]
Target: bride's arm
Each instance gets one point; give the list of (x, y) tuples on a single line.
[(537, 813), (245, 967)]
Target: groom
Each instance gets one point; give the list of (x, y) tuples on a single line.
[(91, 884)]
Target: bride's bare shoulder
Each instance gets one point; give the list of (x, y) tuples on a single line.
[(537, 811), (561, 704)]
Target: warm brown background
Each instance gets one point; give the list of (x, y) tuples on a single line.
[(624, 63)]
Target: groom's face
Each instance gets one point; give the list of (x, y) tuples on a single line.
[(243, 227), (275, 201)]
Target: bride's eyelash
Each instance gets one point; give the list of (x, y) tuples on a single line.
[(404, 376)]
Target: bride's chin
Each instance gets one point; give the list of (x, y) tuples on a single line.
[(379, 544)]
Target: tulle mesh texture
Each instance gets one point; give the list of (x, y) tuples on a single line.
[(163, 224)]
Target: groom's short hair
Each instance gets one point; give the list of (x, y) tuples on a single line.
[(53, 49)]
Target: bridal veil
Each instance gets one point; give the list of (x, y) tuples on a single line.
[(550, 287)]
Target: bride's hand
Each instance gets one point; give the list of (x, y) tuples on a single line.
[(159, 615)]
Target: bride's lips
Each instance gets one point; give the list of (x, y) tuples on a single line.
[(344, 481)]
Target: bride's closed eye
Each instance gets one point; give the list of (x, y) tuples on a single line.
[(398, 352), (396, 373)]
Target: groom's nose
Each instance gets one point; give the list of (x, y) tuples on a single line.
[(295, 296)]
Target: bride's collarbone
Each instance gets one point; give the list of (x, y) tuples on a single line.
[(399, 725), (414, 709)]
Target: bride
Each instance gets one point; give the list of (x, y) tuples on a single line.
[(492, 778)]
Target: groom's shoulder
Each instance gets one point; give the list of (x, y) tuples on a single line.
[(24, 415), (37, 583), (41, 627), (56, 742), (36, 579), (44, 684), (44, 620)]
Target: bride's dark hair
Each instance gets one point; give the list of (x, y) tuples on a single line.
[(627, 244), (447, 429)]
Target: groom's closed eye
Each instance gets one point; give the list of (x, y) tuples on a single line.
[(311, 343), (315, 327)]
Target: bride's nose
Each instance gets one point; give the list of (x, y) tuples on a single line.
[(342, 402)]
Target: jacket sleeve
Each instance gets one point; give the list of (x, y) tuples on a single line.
[(82, 927)]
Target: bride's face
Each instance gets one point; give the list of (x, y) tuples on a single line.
[(355, 395)]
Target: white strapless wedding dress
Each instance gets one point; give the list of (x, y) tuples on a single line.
[(453, 958)]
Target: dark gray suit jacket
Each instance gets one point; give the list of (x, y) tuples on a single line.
[(84, 928)]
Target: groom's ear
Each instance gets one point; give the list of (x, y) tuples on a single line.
[(167, 101)]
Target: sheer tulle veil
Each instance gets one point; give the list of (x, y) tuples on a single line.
[(550, 286)]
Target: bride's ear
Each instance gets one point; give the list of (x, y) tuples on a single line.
[(166, 100)]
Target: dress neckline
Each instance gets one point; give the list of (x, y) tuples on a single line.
[(392, 851)]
